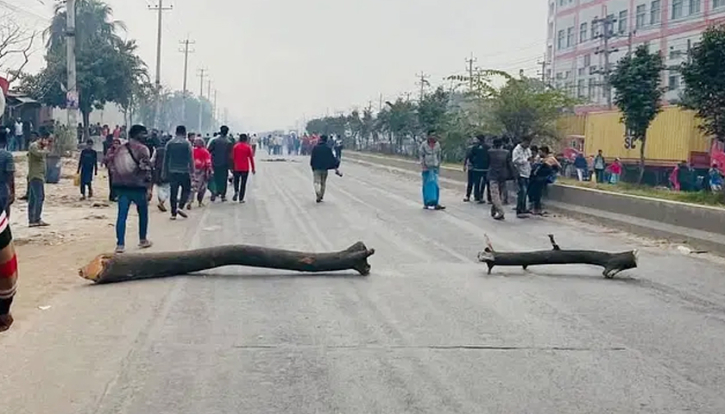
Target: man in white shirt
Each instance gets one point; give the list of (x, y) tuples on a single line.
[(17, 142), (522, 159)]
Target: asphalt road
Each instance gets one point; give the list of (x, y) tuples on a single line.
[(427, 332)]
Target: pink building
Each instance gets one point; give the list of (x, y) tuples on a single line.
[(575, 42)]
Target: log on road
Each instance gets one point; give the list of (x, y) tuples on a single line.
[(112, 268), (612, 263)]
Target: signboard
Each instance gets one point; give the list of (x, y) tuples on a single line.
[(71, 100)]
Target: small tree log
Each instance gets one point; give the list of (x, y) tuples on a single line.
[(612, 263), (112, 268)]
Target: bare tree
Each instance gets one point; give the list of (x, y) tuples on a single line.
[(16, 44)]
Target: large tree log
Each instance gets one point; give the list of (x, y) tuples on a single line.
[(612, 263), (111, 268)]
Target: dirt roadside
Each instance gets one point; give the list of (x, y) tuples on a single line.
[(49, 257)]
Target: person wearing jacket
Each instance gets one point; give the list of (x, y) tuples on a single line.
[(161, 183), (599, 166), (430, 162), (541, 175), (500, 170), (580, 163), (322, 160), (243, 158), (178, 168), (202, 171), (130, 166), (478, 160), (220, 148)]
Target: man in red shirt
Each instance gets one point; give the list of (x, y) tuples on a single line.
[(243, 157)]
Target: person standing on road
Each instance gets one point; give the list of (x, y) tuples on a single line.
[(37, 155), (7, 174), (221, 154), (500, 170), (202, 171), (17, 141), (322, 159), (478, 160), (130, 166), (87, 168), (8, 272), (243, 156), (580, 163), (522, 159), (430, 163), (541, 176), (178, 168)]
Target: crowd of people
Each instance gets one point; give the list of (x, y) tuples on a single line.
[(490, 165)]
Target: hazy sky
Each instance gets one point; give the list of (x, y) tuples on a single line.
[(275, 62)]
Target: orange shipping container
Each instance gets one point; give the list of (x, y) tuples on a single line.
[(672, 137)]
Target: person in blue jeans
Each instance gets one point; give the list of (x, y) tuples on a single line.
[(130, 166)]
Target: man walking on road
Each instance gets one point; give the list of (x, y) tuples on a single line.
[(37, 154), (322, 160), (522, 159), (178, 168), (243, 157), (130, 166), (500, 170), (221, 154)]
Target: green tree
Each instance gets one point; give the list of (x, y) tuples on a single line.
[(638, 94), (704, 81), (433, 112), (527, 107)]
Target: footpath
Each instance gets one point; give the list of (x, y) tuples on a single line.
[(697, 227)]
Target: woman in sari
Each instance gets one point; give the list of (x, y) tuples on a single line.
[(202, 172)]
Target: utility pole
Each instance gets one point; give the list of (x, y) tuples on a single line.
[(607, 25), (423, 83), (202, 75), (160, 9), (185, 50), (543, 70), (380, 102), (72, 98), (470, 61), (208, 89)]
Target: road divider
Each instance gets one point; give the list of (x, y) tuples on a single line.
[(701, 227)]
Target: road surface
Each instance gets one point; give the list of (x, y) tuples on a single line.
[(427, 332)]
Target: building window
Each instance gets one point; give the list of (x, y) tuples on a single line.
[(655, 13), (677, 6), (562, 2), (583, 31), (594, 28), (560, 40), (580, 88), (622, 21), (674, 82), (587, 60), (549, 53), (566, 74), (592, 89), (718, 3), (609, 25), (570, 37), (641, 16), (558, 75), (695, 6)]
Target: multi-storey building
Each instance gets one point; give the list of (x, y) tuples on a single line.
[(575, 55)]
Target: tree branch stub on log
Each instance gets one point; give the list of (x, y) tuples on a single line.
[(112, 268), (613, 263)]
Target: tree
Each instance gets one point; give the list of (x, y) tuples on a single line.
[(638, 94), (433, 111), (527, 107), (704, 81), (108, 68), (16, 43)]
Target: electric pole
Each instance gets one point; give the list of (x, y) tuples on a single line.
[(202, 75), (423, 83), (543, 70), (470, 61), (185, 50), (160, 9), (607, 25), (72, 98), (208, 90)]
